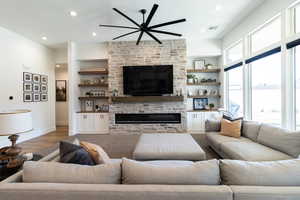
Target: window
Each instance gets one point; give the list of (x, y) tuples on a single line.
[(234, 53), (266, 89), (235, 91), (266, 36), (297, 18), (297, 86)]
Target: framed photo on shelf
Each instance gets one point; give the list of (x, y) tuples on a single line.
[(44, 79), (200, 103), (36, 97), (27, 87), (27, 97), (36, 87), (61, 90), (27, 77), (89, 106), (44, 97), (199, 64), (36, 78)]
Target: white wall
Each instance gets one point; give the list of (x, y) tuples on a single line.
[(61, 55), (207, 47), (19, 55), (260, 15), (62, 115)]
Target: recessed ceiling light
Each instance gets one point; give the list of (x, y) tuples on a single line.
[(58, 66), (73, 13), (218, 7), (94, 34), (44, 38)]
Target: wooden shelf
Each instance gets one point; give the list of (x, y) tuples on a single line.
[(92, 98), (213, 110), (92, 112), (142, 99), (203, 70), (93, 72), (205, 84), (93, 60), (205, 96), (93, 85)]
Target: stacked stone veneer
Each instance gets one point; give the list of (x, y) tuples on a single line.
[(127, 53)]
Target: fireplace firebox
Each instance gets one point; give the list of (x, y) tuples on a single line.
[(149, 118)]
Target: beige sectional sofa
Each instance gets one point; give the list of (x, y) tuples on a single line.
[(259, 142)]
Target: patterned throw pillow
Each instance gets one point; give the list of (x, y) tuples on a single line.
[(75, 154), (97, 153), (231, 128)]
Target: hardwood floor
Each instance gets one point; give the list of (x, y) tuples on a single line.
[(46, 141)]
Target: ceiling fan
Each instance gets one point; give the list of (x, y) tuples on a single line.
[(145, 26)]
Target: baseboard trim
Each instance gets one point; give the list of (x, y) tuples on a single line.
[(27, 136)]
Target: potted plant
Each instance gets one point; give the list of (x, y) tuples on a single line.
[(211, 106), (190, 78)]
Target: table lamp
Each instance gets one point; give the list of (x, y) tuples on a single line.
[(13, 123)]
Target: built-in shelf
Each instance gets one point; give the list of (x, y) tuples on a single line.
[(92, 112), (205, 84), (203, 70), (93, 60), (212, 110), (205, 96), (93, 85), (92, 98), (141, 99), (93, 72)]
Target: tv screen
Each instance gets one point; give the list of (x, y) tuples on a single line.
[(148, 80)]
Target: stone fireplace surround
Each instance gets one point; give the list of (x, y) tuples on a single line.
[(127, 53)]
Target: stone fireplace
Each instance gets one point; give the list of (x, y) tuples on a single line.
[(127, 53)]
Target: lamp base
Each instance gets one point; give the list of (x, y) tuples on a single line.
[(11, 154)]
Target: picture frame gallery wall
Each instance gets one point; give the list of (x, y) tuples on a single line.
[(35, 87)]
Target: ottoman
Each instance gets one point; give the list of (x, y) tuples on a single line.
[(168, 147)]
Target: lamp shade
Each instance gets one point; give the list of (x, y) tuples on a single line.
[(15, 121)]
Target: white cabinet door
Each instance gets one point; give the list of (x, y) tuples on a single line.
[(84, 122), (92, 123), (196, 121), (101, 123)]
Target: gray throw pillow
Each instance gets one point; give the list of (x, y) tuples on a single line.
[(271, 173), (280, 139), (54, 172), (212, 125), (250, 129), (199, 173)]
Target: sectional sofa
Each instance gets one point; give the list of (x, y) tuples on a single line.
[(258, 142)]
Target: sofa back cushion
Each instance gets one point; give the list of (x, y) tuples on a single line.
[(271, 173), (199, 173), (250, 129), (280, 139), (53, 172)]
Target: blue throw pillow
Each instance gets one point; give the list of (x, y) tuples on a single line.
[(75, 154)]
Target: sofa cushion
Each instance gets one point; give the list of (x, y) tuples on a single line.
[(72, 153), (265, 193), (272, 173), (215, 139), (53, 172), (97, 153), (212, 125), (250, 129), (252, 151), (199, 173), (231, 128), (56, 191), (280, 139)]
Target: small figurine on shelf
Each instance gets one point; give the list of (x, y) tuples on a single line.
[(89, 94), (115, 92)]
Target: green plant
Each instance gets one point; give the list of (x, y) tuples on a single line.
[(191, 76), (211, 105)]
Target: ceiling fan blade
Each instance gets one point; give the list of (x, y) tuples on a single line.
[(167, 23), (165, 32), (151, 14), (155, 38), (113, 26), (127, 17), (140, 37), (125, 35)]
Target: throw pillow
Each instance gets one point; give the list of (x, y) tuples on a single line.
[(72, 153), (231, 128), (199, 173), (54, 172), (97, 153)]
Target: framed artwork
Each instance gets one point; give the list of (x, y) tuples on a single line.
[(36, 97), (44, 97), (44, 79), (89, 106), (36, 78), (200, 103), (27, 77), (27, 87), (27, 97), (199, 64), (61, 90), (44, 88), (36, 87)]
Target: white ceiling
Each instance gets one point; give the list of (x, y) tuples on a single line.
[(37, 18)]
